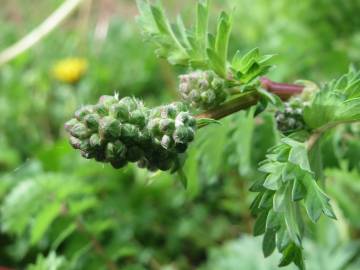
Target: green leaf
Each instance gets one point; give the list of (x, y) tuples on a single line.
[(182, 177), (202, 19), (273, 181), (298, 154), (266, 200), (337, 102), (223, 37), (260, 223), (216, 63), (202, 122), (273, 220), (316, 201), (298, 191), (279, 199), (269, 243), (42, 222), (291, 219), (292, 254), (244, 63), (282, 239), (273, 99)]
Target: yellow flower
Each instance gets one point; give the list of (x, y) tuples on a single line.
[(70, 70)]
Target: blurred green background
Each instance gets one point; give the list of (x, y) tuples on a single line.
[(58, 211)]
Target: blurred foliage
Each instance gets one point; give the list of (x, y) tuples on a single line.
[(60, 212)]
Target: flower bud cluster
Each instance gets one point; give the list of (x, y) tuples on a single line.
[(202, 89), (291, 118), (120, 131)]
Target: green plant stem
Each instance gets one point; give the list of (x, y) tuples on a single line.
[(317, 134), (242, 102), (51, 23)]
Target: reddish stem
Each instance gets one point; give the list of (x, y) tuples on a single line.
[(283, 90)]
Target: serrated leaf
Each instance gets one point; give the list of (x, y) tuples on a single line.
[(181, 32), (247, 60), (316, 201), (337, 102), (223, 37), (298, 155), (202, 19), (216, 63), (291, 218)]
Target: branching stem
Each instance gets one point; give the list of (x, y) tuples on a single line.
[(242, 102)]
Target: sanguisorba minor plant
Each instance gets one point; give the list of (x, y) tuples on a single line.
[(122, 130)]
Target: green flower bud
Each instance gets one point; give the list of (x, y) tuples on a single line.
[(101, 110), (167, 112), (154, 126), (75, 142), (291, 118), (82, 112), (165, 165), (203, 85), (184, 118), (116, 150), (217, 83), (130, 102), (134, 154), (203, 89), (107, 101), (130, 133), (69, 124), (145, 139), (80, 131), (86, 155), (120, 111), (183, 134), (100, 156), (181, 147), (208, 97), (95, 141), (167, 142), (118, 132), (118, 163), (109, 128), (167, 126), (179, 107), (138, 118), (92, 121), (85, 146)]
